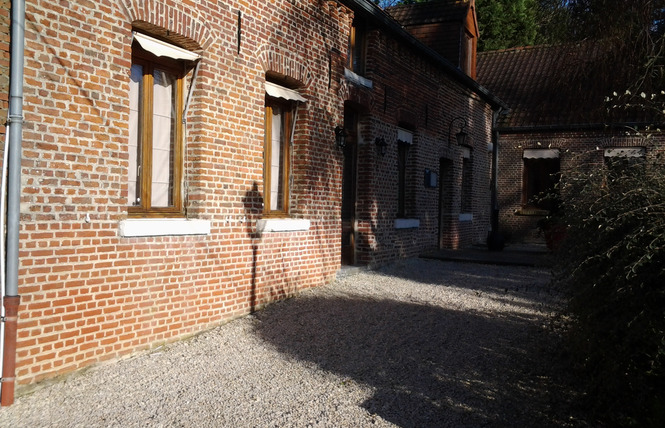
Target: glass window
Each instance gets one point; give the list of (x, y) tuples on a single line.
[(279, 121), (155, 134), (467, 182), (404, 141), (356, 49), (540, 176)]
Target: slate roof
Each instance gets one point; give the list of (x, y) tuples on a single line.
[(557, 86)]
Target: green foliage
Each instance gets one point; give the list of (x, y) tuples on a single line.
[(611, 263), (506, 23)]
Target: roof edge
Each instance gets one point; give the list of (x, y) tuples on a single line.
[(573, 127), (377, 15)]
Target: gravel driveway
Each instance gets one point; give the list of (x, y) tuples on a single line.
[(419, 343)]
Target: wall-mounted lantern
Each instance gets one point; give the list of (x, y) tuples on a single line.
[(460, 136), (340, 137), (381, 144)]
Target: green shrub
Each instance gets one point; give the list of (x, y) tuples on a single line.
[(612, 264)]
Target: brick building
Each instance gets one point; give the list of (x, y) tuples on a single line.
[(185, 163), (560, 117)]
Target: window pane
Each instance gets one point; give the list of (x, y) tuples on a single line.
[(467, 186), (135, 99), (540, 178), (163, 138), (276, 160)]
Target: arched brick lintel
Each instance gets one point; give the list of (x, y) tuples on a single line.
[(183, 27), (285, 63)]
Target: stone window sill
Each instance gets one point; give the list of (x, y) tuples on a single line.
[(407, 223), (357, 79), (163, 227), (282, 225), (466, 217)]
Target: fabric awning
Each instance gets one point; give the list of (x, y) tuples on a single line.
[(160, 48), (626, 152), (405, 136), (541, 153), (277, 91)]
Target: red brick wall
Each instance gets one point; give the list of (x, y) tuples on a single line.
[(574, 148), (89, 294)]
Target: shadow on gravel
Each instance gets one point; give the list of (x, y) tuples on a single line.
[(428, 366)]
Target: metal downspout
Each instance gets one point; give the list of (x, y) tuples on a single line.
[(12, 299)]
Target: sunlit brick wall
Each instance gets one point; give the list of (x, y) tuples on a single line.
[(87, 293)]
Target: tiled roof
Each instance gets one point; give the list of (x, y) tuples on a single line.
[(552, 86), (429, 12)]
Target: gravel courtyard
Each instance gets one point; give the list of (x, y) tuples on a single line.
[(420, 343)]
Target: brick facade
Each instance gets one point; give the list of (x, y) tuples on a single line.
[(575, 148), (91, 292)]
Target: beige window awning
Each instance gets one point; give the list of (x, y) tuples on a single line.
[(405, 136), (626, 152), (541, 153), (277, 91), (160, 48)]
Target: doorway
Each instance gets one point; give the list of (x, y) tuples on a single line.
[(445, 201), (349, 181)]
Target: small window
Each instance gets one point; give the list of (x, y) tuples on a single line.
[(404, 142), (356, 49), (540, 176), (155, 127), (625, 160), (467, 181), (467, 54), (280, 111)]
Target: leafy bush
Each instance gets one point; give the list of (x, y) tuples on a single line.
[(612, 264)]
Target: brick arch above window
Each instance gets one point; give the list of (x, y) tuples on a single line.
[(362, 98), (287, 64), (184, 28), (407, 116)]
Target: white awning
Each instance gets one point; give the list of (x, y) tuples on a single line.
[(541, 153), (405, 136), (160, 48), (626, 152), (277, 91)]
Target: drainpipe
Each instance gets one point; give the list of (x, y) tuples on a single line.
[(12, 299), (495, 241)]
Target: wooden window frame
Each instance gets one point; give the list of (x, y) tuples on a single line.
[(466, 197), (403, 156), (287, 126), (145, 138), (356, 48)]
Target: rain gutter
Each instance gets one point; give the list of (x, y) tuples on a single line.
[(574, 127)]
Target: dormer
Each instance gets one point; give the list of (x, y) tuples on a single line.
[(450, 27)]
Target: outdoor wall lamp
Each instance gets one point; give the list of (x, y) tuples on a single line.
[(460, 137), (340, 137), (381, 144)]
